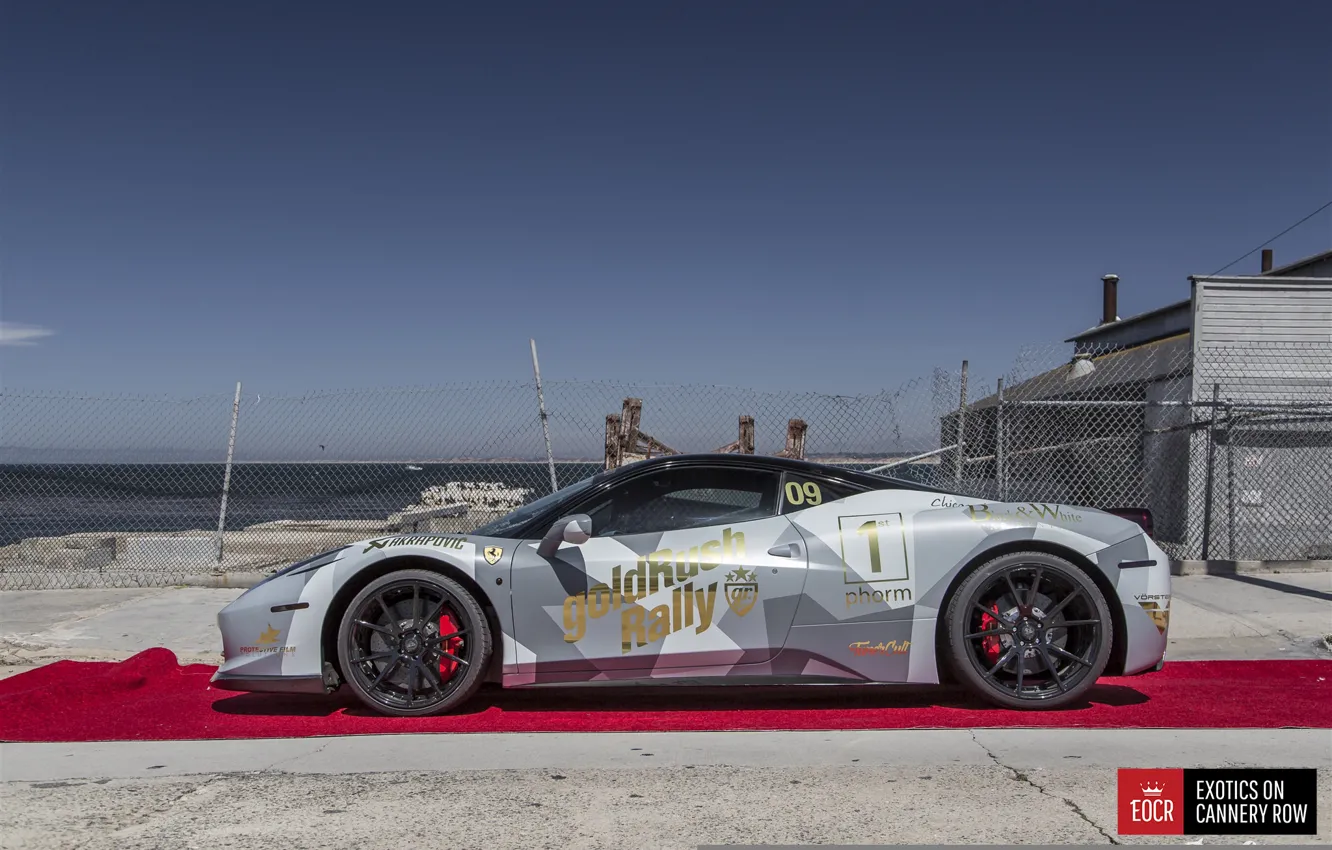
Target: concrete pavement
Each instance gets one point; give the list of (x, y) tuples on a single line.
[(1284, 615), (40, 626), (1020, 749), (647, 790)]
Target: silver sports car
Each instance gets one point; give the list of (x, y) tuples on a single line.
[(732, 567)]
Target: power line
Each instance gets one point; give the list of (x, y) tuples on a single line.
[(1273, 239)]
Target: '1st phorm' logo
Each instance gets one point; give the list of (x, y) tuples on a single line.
[(866, 596), (691, 602)]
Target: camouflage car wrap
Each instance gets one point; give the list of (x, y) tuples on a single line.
[(848, 589)]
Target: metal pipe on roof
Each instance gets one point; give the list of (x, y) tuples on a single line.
[(1109, 299)]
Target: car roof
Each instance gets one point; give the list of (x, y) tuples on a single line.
[(536, 525)]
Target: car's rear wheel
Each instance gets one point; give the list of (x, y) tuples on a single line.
[(414, 643), (1029, 630)]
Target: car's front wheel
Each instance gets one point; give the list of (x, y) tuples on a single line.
[(1029, 630), (414, 643)]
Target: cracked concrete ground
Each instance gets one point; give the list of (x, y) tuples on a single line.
[(1021, 776), (671, 790), (540, 808)]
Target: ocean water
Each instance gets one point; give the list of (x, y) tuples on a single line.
[(47, 500), (40, 500)]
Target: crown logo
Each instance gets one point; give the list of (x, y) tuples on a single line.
[(1150, 790)]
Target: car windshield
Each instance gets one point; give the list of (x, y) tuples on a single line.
[(507, 524)]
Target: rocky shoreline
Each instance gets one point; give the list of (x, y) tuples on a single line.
[(102, 559)]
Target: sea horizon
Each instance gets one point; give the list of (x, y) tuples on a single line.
[(58, 499)]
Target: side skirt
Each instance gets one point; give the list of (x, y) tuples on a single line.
[(270, 684)]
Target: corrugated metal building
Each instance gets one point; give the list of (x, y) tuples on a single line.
[(1130, 420), (1263, 345)]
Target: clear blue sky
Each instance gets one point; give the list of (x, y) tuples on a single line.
[(829, 196)]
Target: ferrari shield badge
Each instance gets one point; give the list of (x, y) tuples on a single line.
[(492, 554), (741, 590)]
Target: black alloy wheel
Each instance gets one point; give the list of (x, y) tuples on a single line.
[(414, 643), (1029, 630)]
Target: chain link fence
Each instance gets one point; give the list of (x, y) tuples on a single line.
[(1233, 459), (1262, 453)]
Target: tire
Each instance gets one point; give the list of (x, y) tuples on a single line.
[(1063, 632), (393, 652)]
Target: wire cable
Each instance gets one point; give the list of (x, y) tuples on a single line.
[(1273, 239)]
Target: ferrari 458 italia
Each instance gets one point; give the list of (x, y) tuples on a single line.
[(733, 568)]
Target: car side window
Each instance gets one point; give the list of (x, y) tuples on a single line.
[(803, 491), (684, 498)]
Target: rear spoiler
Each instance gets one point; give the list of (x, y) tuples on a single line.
[(1141, 516)]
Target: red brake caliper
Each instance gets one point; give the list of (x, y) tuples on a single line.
[(990, 645), (447, 626)]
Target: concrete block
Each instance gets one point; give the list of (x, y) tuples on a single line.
[(169, 550), (85, 559), (224, 579), (1222, 568), (442, 525), (92, 552), (425, 519), (356, 527)]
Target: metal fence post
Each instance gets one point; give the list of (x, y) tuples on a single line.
[(1230, 483), (961, 427), (1207, 484), (226, 475), (999, 441), (545, 420)]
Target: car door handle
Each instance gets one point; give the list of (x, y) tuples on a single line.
[(786, 550)]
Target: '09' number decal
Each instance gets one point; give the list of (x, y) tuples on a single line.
[(803, 494)]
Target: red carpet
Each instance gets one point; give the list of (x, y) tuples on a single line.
[(150, 697)]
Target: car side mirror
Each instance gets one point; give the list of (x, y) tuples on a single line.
[(575, 530)]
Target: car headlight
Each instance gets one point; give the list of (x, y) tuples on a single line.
[(311, 563)]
